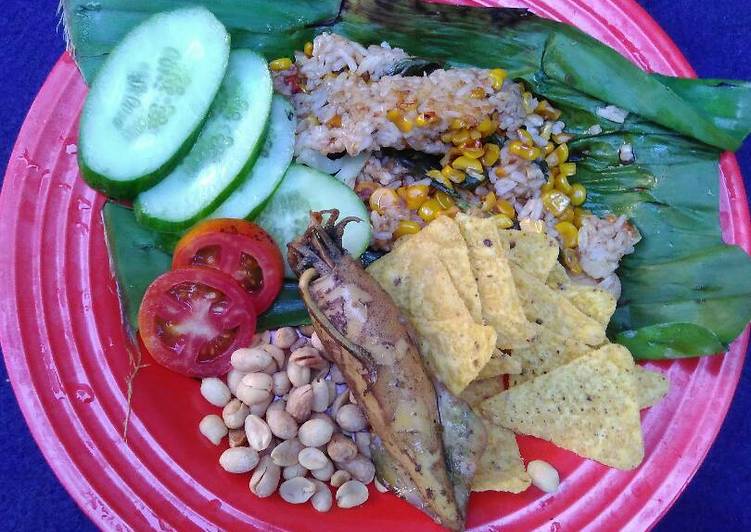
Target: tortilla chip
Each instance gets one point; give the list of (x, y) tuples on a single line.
[(500, 364), (536, 253), (595, 302), (393, 273), (500, 468), (455, 352), (588, 406), (558, 278), (549, 308), (482, 389), (546, 351), (651, 387), (501, 305)]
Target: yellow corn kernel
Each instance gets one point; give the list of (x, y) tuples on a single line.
[(475, 134), (453, 175), (467, 163), (487, 126), (505, 207), (308, 49), (562, 184), (425, 119), (451, 212), (283, 63), (365, 189), (477, 93), (525, 152), (532, 226), (444, 200), (447, 137), (488, 202), (569, 234), (555, 202), (545, 110), (429, 210), (336, 121), (527, 102), (457, 124), (549, 148), (567, 169), (571, 260), (434, 174), (578, 194), (460, 137), (567, 215), (503, 221), (491, 155), (525, 137), (579, 215), (383, 198), (473, 151), (559, 155), (546, 130), (500, 171), (497, 77), (415, 195), (548, 186), (398, 119), (406, 227), (562, 138)]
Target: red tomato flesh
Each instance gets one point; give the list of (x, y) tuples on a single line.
[(192, 319), (239, 248)]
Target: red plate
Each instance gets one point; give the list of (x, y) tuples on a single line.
[(68, 357)]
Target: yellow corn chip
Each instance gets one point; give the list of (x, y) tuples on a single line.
[(546, 351), (549, 308), (500, 468), (501, 306), (651, 387), (588, 406), (393, 273), (595, 302), (535, 253), (558, 278), (482, 389), (501, 364)]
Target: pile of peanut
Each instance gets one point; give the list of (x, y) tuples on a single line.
[(292, 422)]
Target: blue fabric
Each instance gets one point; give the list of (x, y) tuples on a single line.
[(715, 38)]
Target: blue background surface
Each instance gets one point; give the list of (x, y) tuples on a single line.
[(715, 36)]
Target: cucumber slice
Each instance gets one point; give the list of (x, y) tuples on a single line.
[(224, 153), (303, 189), (148, 101), (249, 197)]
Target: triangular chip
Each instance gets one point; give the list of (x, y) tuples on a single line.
[(482, 389), (501, 307), (558, 278), (546, 351), (501, 364), (595, 302), (393, 273), (651, 387), (549, 308), (500, 467), (588, 406), (455, 352), (536, 253)]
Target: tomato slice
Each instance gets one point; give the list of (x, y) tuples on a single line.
[(239, 248), (192, 319)]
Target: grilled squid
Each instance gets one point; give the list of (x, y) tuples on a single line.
[(373, 345)]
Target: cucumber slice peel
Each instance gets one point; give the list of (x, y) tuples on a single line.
[(302, 190), (223, 154), (276, 155), (149, 100)]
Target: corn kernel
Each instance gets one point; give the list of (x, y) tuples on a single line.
[(548, 186), (525, 152), (545, 110), (451, 212), (487, 126), (525, 137), (497, 77), (567, 169), (578, 194), (398, 119), (562, 138), (571, 260), (453, 175), (477, 93), (426, 118), (406, 227), (434, 174), (467, 163), (488, 202), (475, 134), (555, 202), (549, 148), (569, 234), (283, 63), (460, 137), (415, 195), (308, 49), (447, 137), (546, 130), (500, 171), (503, 221), (444, 200), (382, 199), (532, 226), (365, 189), (336, 121), (429, 210), (579, 215), (527, 102), (505, 207), (562, 184), (567, 215), (473, 151), (559, 155), (492, 154), (457, 124)]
